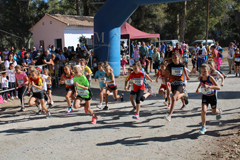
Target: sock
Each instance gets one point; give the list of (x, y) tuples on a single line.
[(100, 104)]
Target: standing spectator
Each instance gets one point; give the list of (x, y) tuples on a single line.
[(34, 53), (151, 50), (143, 51), (131, 49), (147, 44), (95, 65), (45, 59), (156, 60), (123, 63), (26, 61), (230, 57), (184, 45), (201, 55), (78, 49), (19, 55), (40, 49), (5, 54), (136, 54), (163, 48), (123, 49), (168, 54), (178, 49), (9, 61)]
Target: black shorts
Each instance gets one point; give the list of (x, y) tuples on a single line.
[(71, 89), (113, 88), (212, 100), (149, 58), (132, 92), (49, 89), (86, 99), (155, 65), (237, 64), (178, 88), (38, 95)]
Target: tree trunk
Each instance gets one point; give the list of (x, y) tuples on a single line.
[(183, 21), (85, 7), (78, 7)]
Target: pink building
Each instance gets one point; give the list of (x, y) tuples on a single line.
[(62, 30)]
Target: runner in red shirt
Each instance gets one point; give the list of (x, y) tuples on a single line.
[(138, 86), (164, 90)]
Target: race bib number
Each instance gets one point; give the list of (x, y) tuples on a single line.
[(162, 81), (35, 89), (101, 79), (138, 82), (82, 92), (177, 71), (237, 59), (69, 82), (207, 91), (20, 82), (47, 81)]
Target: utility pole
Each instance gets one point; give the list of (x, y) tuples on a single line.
[(207, 21)]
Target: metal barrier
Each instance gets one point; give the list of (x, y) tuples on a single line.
[(2, 91)]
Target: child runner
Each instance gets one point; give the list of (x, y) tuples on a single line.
[(100, 76), (86, 71), (11, 76), (67, 78), (138, 87), (164, 90), (123, 63), (111, 86), (36, 82), (83, 92), (22, 83), (194, 61), (49, 86), (236, 61), (130, 85), (215, 73), (208, 87), (175, 72)]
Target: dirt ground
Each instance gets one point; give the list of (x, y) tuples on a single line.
[(24, 135)]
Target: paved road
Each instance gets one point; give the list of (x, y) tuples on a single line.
[(117, 135)]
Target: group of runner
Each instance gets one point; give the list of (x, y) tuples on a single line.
[(173, 75)]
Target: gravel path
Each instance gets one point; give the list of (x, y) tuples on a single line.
[(116, 135)]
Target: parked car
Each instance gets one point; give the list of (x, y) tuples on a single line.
[(168, 42), (191, 46)]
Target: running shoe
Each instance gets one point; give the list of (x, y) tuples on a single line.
[(70, 110), (99, 106), (136, 116), (22, 109), (167, 118), (183, 107), (105, 108), (50, 105), (165, 103), (85, 109), (185, 96), (48, 115), (52, 102), (4, 101), (16, 97), (122, 97), (169, 105), (8, 100), (203, 130), (39, 112), (94, 120), (151, 72), (218, 117), (133, 110), (12, 98), (151, 92)]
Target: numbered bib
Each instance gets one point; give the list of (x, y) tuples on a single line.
[(69, 82), (35, 89), (47, 81), (109, 80), (207, 91), (138, 82), (161, 81), (101, 79), (177, 71), (82, 92), (20, 82), (237, 59)]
